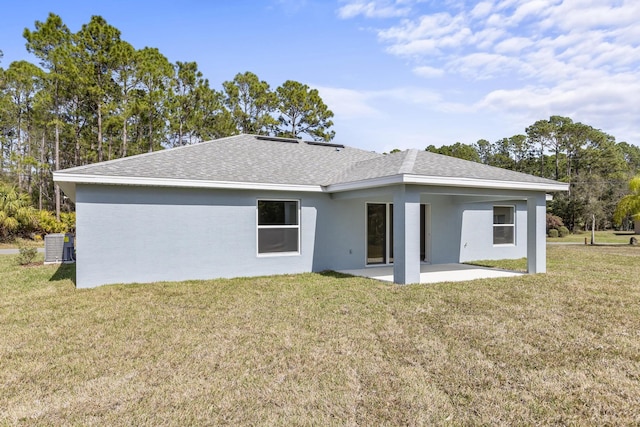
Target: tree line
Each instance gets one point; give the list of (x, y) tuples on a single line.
[(94, 97), (597, 167)]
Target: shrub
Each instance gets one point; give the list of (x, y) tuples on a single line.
[(26, 255), (554, 221), (563, 231), (48, 224), (69, 221), (17, 217), (553, 233)]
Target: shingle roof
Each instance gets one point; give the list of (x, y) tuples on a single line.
[(242, 158), (416, 162), (263, 160)]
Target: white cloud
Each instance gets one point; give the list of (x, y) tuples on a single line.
[(532, 8), (348, 103), (513, 45), (428, 26), (352, 103), (372, 9), (482, 66), (482, 9), (415, 47), (428, 72), (532, 58), (600, 102), (584, 15)]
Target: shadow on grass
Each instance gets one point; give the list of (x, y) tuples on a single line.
[(335, 274), (65, 272)]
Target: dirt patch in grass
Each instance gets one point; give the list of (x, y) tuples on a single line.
[(561, 348)]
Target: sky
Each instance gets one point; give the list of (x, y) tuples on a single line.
[(396, 73)]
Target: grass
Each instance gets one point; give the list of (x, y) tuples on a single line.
[(602, 237), (16, 243), (326, 349)]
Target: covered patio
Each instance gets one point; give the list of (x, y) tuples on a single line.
[(436, 273)]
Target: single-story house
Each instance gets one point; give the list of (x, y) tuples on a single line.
[(252, 205)]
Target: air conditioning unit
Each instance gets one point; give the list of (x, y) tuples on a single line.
[(59, 248)]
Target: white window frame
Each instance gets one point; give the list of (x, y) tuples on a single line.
[(512, 225), (260, 227)]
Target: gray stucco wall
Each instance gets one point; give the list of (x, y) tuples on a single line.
[(445, 228), (476, 239), (147, 234), (340, 238), (136, 234)]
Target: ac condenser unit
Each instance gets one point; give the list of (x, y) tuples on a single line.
[(58, 248)]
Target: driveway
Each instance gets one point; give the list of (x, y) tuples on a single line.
[(15, 251)]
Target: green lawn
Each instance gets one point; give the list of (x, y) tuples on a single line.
[(561, 348), (602, 237), (16, 243)]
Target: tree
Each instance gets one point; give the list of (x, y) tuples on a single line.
[(251, 103), (578, 136), (484, 150), (631, 155), (459, 150), (185, 113), (215, 120), (552, 133), (521, 148), (51, 43), (502, 154), (302, 111), (154, 73), (22, 81), (96, 41), (629, 204), (125, 78)]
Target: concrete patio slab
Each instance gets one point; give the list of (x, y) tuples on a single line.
[(435, 273)]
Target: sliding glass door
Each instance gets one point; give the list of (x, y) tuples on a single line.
[(380, 233), (377, 232)]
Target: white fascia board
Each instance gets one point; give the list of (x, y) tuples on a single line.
[(172, 182), (447, 182), (485, 183), (367, 183)]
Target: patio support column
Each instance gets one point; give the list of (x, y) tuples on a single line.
[(406, 230), (536, 227)]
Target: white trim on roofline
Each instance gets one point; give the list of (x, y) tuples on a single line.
[(447, 182), (339, 187), (173, 182)]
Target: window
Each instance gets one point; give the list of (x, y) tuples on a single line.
[(278, 226), (503, 225)]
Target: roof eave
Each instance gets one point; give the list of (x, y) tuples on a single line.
[(447, 182), (68, 181)]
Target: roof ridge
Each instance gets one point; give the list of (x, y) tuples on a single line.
[(409, 161)]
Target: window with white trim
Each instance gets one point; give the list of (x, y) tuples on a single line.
[(278, 227), (504, 225)]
